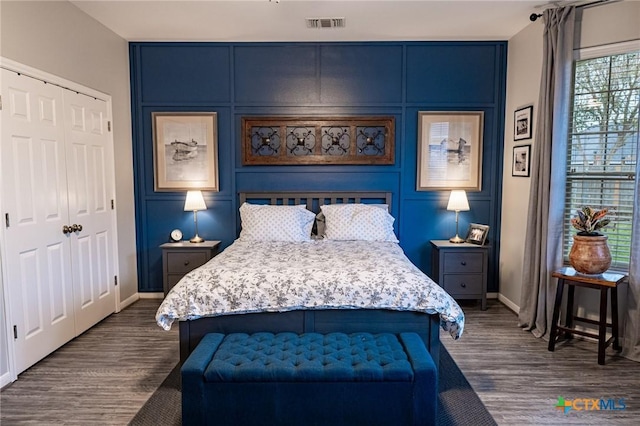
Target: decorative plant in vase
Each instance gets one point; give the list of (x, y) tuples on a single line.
[(590, 221), (590, 253)]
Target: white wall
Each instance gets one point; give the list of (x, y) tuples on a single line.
[(604, 24), (56, 37), (607, 24), (524, 69)]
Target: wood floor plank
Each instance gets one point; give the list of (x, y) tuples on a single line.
[(104, 376), (520, 381)]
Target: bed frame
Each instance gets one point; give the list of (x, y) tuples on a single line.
[(427, 326)]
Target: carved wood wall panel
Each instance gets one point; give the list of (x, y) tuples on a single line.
[(317, 140)]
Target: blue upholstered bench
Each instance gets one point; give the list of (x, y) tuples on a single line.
[(309, 379)]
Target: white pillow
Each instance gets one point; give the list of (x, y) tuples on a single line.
[(320, 221), (364, 222), (275, 223)]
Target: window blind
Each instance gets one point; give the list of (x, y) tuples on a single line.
[(602, 158)]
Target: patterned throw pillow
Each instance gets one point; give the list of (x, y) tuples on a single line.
[(363, 222), (275, 223)]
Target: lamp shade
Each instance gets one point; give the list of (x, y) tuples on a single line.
[(194, 201), (458, 201)]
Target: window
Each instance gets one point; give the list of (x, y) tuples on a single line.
[(602, 159)]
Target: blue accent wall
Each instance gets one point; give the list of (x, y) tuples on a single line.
[(396, 79)]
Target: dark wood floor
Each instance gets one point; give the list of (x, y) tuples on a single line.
[(106, 375), (520, 381), (102, 377)]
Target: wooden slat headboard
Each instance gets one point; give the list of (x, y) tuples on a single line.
[(313, 200)]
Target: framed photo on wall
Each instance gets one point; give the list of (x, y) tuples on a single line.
[(522, 124), (185, 151), (449, 150), (477, 234), (521, 161)]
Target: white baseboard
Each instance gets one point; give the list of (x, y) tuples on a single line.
[(491, 295), (129, 300), (151, 295), (509, 304), (5, 379)]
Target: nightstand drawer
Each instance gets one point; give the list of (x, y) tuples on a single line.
[(172, 279), (463, 284), (184, 262), (182, 257), (461, 269), (464, 262)]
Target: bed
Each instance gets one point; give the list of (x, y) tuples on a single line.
[(318, 285)]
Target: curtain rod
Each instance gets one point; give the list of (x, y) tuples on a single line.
[(534, 16)]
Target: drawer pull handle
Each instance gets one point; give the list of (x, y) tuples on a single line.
[(463, 263), (186, 263), (463, 285)]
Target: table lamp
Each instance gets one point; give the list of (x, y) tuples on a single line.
[(458, 202), (195, 202)]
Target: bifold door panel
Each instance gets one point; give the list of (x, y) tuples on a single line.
[(56, 173)]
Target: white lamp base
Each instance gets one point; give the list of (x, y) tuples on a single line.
[(196, 239), (456, 239)]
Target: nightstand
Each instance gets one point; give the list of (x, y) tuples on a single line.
[(461, 269), (182, 257)]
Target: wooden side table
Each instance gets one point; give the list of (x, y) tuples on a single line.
[(461, 269), (603, 282), (182, 257)]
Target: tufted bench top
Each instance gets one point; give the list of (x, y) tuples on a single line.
[(291, 357)]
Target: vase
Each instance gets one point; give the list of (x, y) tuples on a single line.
[(590, 254)]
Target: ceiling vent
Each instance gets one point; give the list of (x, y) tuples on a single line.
[(325, 22)]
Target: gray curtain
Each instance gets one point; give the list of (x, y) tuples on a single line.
[(543, 240), (631, 339)]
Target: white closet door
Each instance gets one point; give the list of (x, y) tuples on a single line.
[(90, 180), (34, 195)]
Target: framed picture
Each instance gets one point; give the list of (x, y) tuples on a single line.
[(522, 124), (521, 160), (317, 140), (185, 151), (477, 234), (449, 150)]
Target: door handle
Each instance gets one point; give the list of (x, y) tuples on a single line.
[(76, 228), (66, 230)]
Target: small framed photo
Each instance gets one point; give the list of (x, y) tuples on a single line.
[(185, 151), (521, 161), (477, 234), (522, 124)]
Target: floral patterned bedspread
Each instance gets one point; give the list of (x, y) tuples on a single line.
[(255, 276)]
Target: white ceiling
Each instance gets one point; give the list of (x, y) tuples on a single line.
[(264, 20)]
